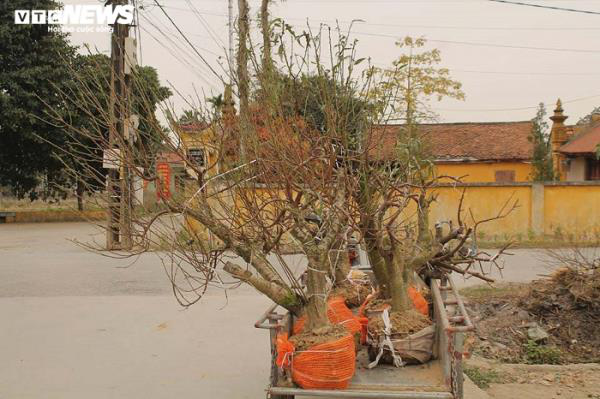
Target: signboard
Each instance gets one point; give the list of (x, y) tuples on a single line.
[(111, 158)]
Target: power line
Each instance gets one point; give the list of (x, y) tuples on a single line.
[(206, 25), (385, 1), (528, 73), (461, 42), (182, 56), (518, 3), (568, 50), (513, 109), (188, 41), (450, 27)]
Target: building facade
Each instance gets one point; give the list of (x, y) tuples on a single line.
[(575, 148), (472, 151)]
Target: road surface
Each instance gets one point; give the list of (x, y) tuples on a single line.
[(77, 324)]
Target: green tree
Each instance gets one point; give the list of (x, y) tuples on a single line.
[(542, 148), (32, 61), (413, 81), (586, 120), (190, 116), (84, 113)]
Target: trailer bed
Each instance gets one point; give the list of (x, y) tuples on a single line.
[(440, 378)]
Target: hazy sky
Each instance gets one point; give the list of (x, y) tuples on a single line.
[(561, 58)]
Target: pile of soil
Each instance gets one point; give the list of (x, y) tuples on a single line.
[(565, 306), (403, 323), (568, 304), (354, 293), (306, 340), (377, 304)]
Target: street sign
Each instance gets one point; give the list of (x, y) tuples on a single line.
[(111, 158)]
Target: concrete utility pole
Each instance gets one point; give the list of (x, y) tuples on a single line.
[(242, 74), (231, 44), (119, 176)]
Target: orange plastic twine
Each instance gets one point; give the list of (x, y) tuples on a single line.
[(330, 365)]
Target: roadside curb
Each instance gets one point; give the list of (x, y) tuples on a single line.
[(472, 391), (50, 216)]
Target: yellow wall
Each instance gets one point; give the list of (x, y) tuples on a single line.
[(572, 211), (484, 172), (485, 202), (560, 210)]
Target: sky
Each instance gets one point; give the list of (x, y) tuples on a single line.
[(508, 57)]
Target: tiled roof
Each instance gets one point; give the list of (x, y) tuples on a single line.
[(476, 141), (583, 143), (193, 127)]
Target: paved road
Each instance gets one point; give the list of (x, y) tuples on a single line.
[(77, 324)]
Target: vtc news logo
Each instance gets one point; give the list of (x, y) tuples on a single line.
[(77, 15)]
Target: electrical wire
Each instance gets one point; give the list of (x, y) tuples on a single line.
[(513, 109), (481, 44), (518, 3), (456, 42), (450, 27), (189, 42), (206, 25), (179, 53)]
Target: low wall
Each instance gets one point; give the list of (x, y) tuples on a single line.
[(566, 211), (55, 216), (561, 210)]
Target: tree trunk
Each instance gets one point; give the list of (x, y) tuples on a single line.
[(364, 199), (342, 267), (266, 34), (242, 75), (379, 269), (399, 280), (316, 284), (79, 191), (339, 260), (424, 235)]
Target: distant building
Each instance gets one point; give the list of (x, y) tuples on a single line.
[(574, 148), (475, 151), (170, 169)]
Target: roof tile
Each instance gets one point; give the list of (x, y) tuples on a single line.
[(470, 141)]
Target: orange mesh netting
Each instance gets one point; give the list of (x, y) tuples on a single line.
[(419, 301), (338, 313), (329, 365), (364, 329)]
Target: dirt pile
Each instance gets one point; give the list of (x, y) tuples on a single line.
[(568, 305), (306, 340), (354, 293), (554, 320), (403, 323)]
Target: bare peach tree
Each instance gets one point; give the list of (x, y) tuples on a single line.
[(297, 171), (236, 217)]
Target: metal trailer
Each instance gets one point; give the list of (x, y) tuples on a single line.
[(440, 378)]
